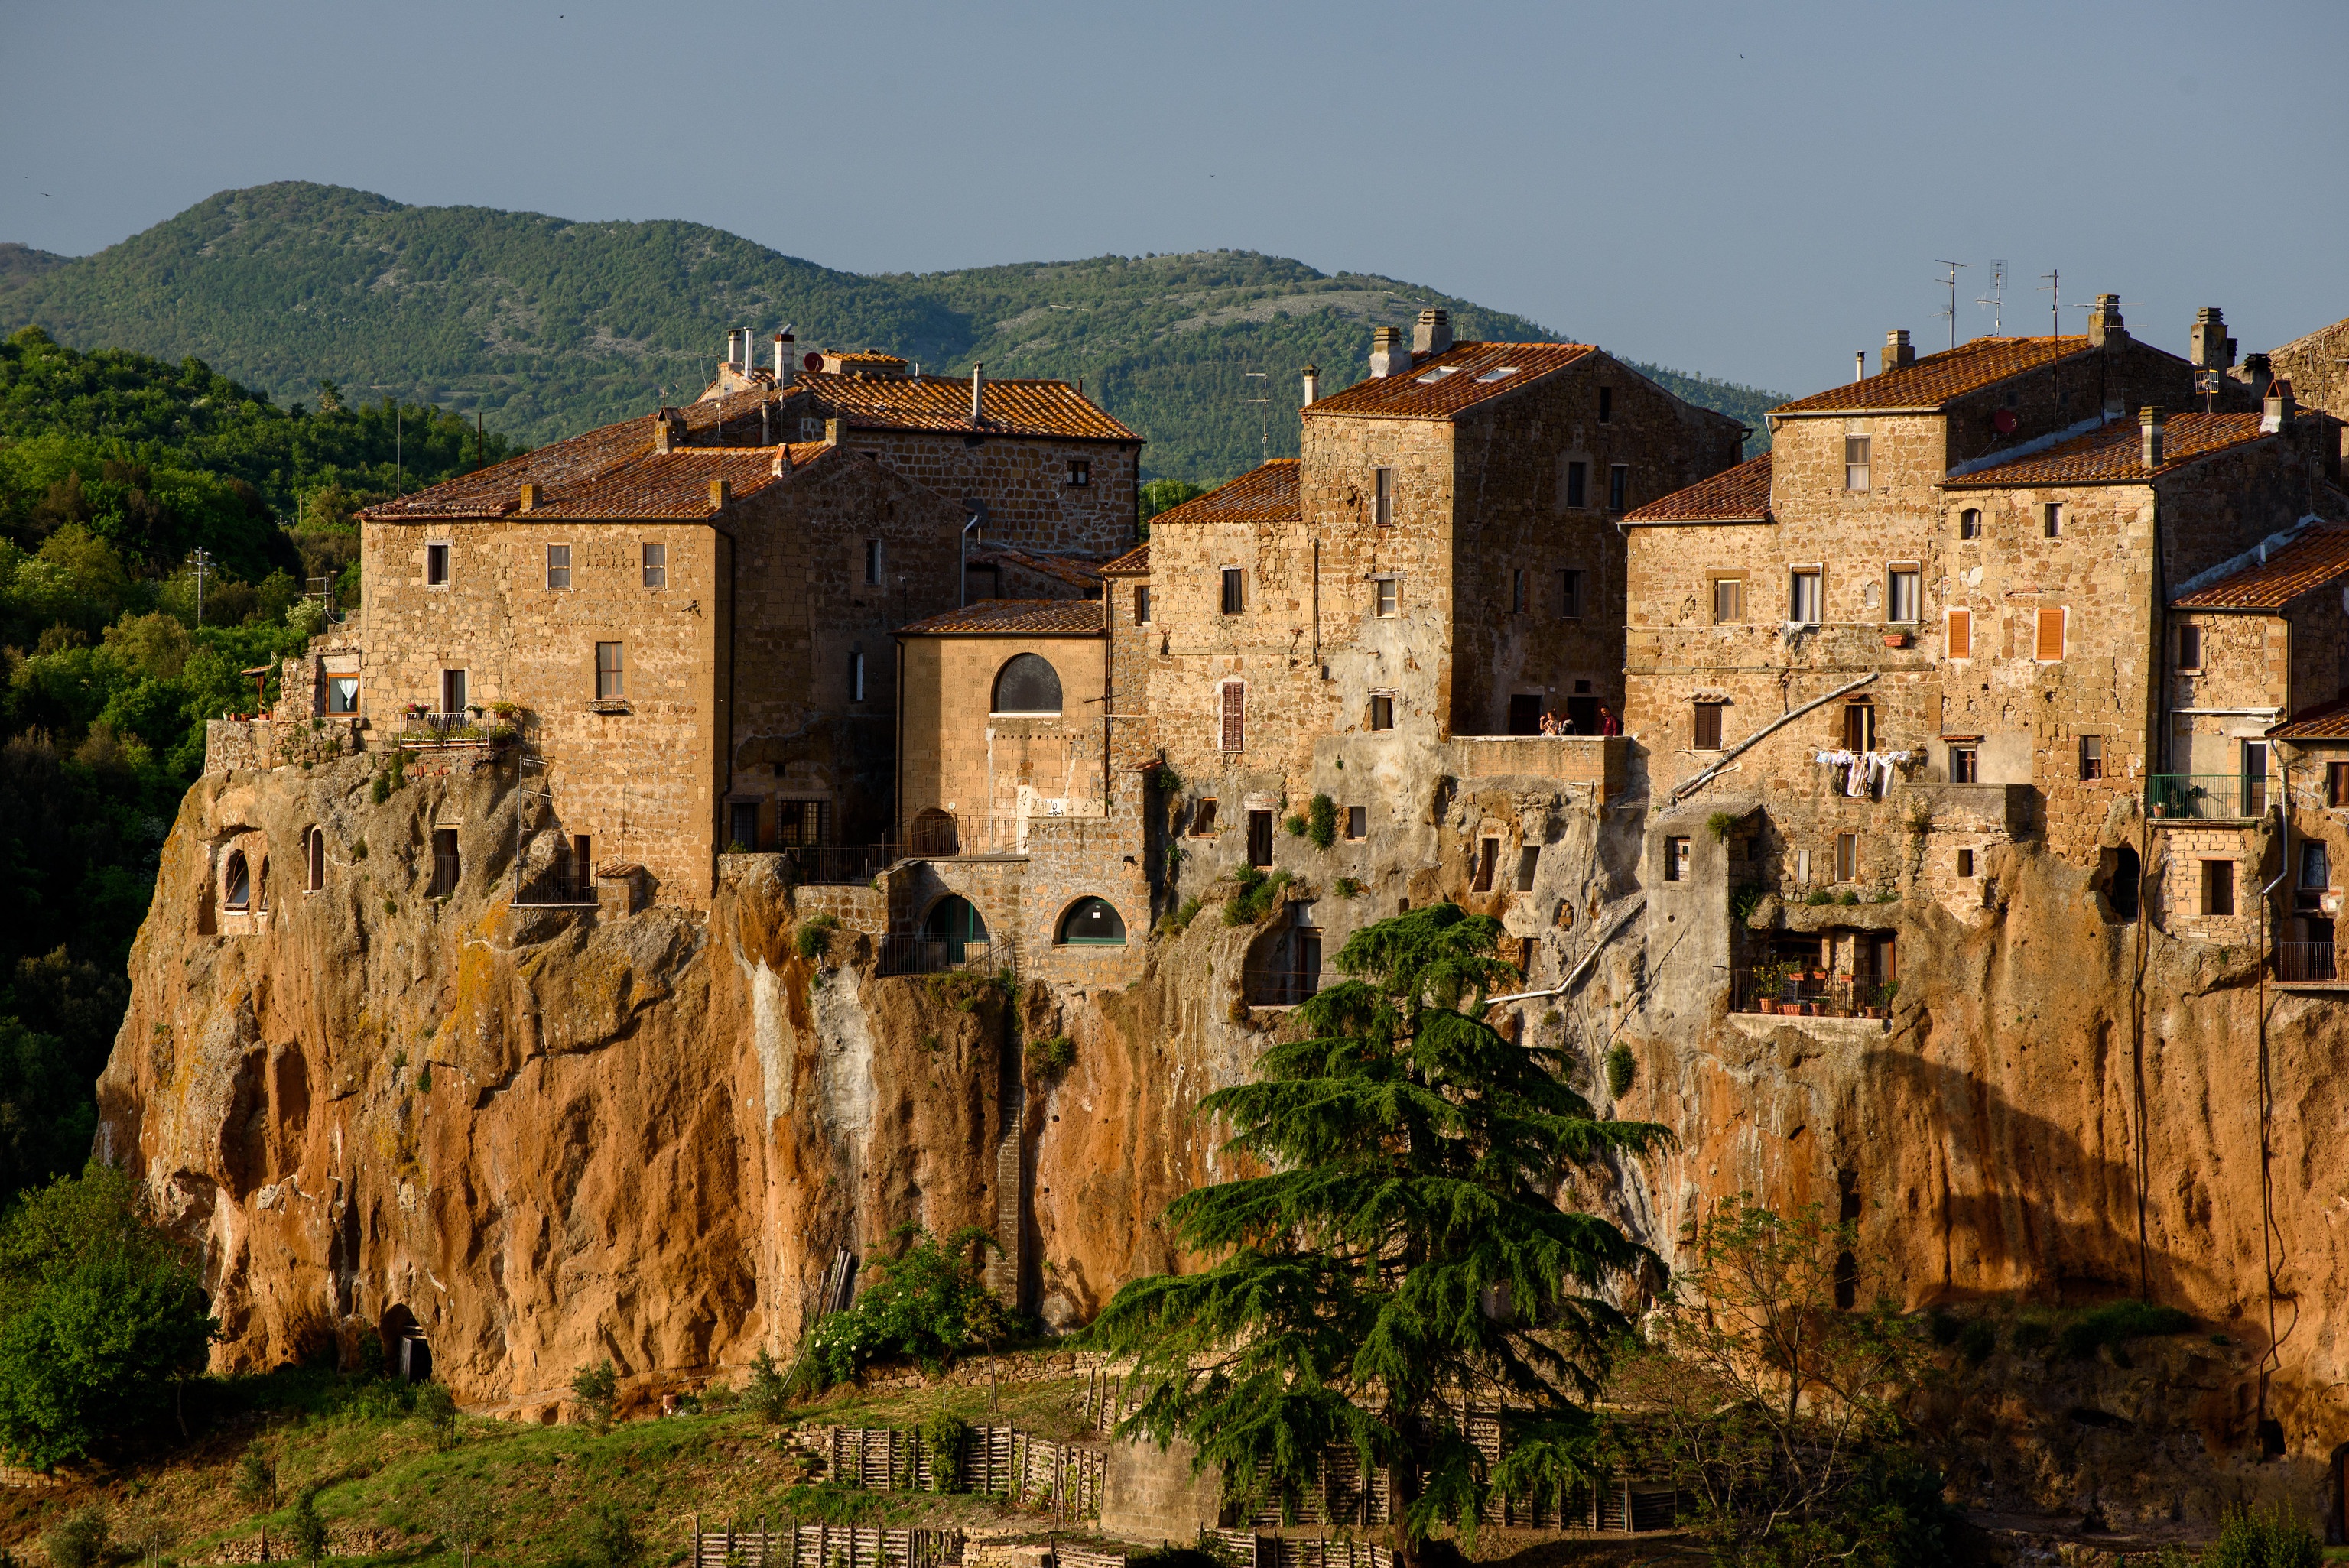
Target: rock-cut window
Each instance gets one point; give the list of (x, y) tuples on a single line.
[(237, 883), (1027, 684)]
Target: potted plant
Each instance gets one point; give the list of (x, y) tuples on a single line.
[(1896, 639)]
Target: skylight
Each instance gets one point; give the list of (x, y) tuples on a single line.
[(1438, 374), (1498, 373)]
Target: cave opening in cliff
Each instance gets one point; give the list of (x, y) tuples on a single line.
[(404, 1348)]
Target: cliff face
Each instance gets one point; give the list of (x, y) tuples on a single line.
[(553, 1136)]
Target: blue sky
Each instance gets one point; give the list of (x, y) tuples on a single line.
[(1750, 192)]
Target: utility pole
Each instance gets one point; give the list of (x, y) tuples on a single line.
[(203, 569)]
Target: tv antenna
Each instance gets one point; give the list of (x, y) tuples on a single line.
[(201, 568), (1951, 314), (1263, 406), (2055, 276), (1995, 302)]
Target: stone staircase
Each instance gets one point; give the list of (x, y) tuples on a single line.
[(1003, 1270)]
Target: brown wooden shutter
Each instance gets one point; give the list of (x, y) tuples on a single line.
[(1961, 635), (1234, 714), (2050, 635)]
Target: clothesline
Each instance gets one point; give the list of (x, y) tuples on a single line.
[(1868, 769)]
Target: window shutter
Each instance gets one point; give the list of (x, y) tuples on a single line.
[(1960, 639), (1234, 714), (2050, 635)]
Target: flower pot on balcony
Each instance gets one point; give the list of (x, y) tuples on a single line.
[(1766, 1006), (1896, 639)]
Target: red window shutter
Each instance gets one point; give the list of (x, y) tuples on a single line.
[(1234, 714), (1961, 635), (2050, 635)]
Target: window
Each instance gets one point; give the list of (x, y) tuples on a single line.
[(1382, 497), (1528, 863), (1141, 604), (2048, 646), (452, 691), (314, 856), (1856, 466), (1728, 601), (1259, 837), (855, 676), (1900, 594), (1235, 716), (2255, 778), (655, 565), (1676, 859), (2336, 783), (1093, 922), (1235, 590), (1358, 821), (1382, 711), (2189, 646), (435, 566), (236, 884), (1708, 725), (1847, 857), (1385, 591), (872, 561), (1618, 486), (1970, 523), (1027, 684), (2092, 756), (2219, 887), (1958, 637), (1203, 820), (1859, 726), (611, 672), (1578, 483), (558, 566), (1965, 862), (1518, 591), (742, 827), (444, 862), (1606, 405), (2315, 865), (1489, 855), (1965, 765), (2052, 519), (1569, 594), (1081, 472), (1803, 601), (342, 694)]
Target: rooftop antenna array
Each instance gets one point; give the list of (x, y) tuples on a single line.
[(1995, 301), (1263, 407), (2055, 276), (1951, 314)]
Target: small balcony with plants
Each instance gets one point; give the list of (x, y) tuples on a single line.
[(479, 726)]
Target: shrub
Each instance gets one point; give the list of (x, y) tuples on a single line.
[(2262, 1538), (596, 1388), (437, 1408), (81, 1539), (1848, 898), (768, 1392), (1049, 1055), (927, 1306), (1321, 822), (2030, 1335), (1256, 896), (946, 1438), (1945, 1326), (1166, 781), (1295, 824), (257, 1478), (380, 791), (1177, 921), (1977, 1340), (1347, 887), (1720, 824), (2118, 1324), (1619, 1069), (306, 1528), (1819, 895), (612, 1540), (720, 1396), (813, 938)]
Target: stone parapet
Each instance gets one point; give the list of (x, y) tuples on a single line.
[(1596, 762)]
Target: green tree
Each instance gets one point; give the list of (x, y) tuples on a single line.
[(437, 1408), (81, 1539), (596, 1388), (928, 1304), (464, 1513), (612, 1538), (306, 1527), (768, 1391), (101, 1312), (1404, 1263)]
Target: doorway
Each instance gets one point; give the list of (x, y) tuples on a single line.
[(1582, 715), (1525, 713), (1259, 837), (954, 922)]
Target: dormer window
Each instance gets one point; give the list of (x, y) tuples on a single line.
[(1438, 374)]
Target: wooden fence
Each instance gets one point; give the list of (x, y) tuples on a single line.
[(1245, 1549), (824, 1546), (999, 1461)]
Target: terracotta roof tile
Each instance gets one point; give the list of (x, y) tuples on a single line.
[(1449, 383), (598, 476), (1078, 571), (1133, 563), (2325, 721), (1267, 494), (1009, 617), (2315, 559), (1741, 494), (1050, 408), (1935, 379), (2110, 455)]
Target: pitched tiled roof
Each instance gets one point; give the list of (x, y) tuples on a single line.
[(2315, 559), (1267, 494), (2110, 455), (1443, 385), (1133, 563), (1935, 379), (1051, 409), (1009, 617), (493, 490), (733, 419), (2325, 721), (1078, 571), (1741, 494), (612, 473)]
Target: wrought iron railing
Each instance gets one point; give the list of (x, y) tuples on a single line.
[(904, 955), (840, 865), (453, 729), (2306, 961), (2187, 795), (1279, 985), (557, 887)]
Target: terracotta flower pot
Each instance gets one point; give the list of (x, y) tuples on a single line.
[(1896, 639)]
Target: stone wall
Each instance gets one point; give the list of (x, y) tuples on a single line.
[(963, 758), (1025, 482)]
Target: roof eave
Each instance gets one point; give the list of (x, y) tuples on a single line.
[(1629, 521)]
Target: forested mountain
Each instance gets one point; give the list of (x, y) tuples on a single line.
[(547, 326)]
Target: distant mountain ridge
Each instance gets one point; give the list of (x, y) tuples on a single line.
[(549, 327)]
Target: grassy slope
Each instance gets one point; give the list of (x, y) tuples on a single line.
[(550, 327)]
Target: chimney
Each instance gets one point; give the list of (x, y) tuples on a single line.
[(2211, 348), (1387, 356), (2148, 429), (1859, 365), (2105, 328), (1433, 336), (2276, 410), (786, 357), (529, 494), (977, 380), (668, 430), (720, 492), (2254, 371), (1312, 386), (835, 432), (1897, 350)]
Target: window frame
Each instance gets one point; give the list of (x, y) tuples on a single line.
[(1914, 570), (2190, 631), (2218, 889), (652, 561), (1003, 671), (2039, 623), (446, 553), (1677, 859), (1386, 596), (1358, 823), (313, 860), (856, 675), (1234, 591), (2051, 519), (462, 685), (1618, 486), (1970, 525), (1735, 582), (1818, 576), (1578, 484), (1971, 768), (1516, 590), (1706, 721), (2091, 759), (333, 679), (2336, 784), (876, 570), (1383, 497), (1081, 472), (1382, 705), (1858, 463), (1606, 405), (1569, 593), (614, 675), (1847, 857), (551, 568), (1231, 717), (1965, 865), (1142, 604)]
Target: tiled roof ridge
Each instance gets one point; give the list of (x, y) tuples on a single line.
[(2326, 720), (1739, 493), (1062, 617), (2110, 455), (1134, 560), (2273, 574), (1413, 395), (1934, 380), (1267, 491)]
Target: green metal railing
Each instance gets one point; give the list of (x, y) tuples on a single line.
[(2205, 795)]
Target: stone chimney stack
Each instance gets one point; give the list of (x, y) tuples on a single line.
[(835, 432), (720, 492), (529, 494), (1312, 386), (668, 430), (2277, 407), (1859, 365), (1387, 356), (1433, 336), (2211, 348), (2105, 328), (2148, 430), (1897, 350), (977, 381), (786, 357)]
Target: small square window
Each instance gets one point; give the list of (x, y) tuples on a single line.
[(1203, 820), (1676, 859), (1518, 591), (2189, 646), (1708, 725), (1901, 593), (1578, 484), (872, 563), (1382, 711), (2052, 519), (558, 566), (1856, 469), (1358, 821), (1382, 497), (1385, 589), (1080, 471), (1141, 604), (2219, 887), (1965, 862), (342, 694), (1965, 765), (611, 672), (1970, 523), (1728, 601), (2092, 756), (435, 566), (1235, 590), (1618, 488), (655, 565), (1569, 594), (1606, 405)]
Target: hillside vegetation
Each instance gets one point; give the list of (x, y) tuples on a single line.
[(547, 326)]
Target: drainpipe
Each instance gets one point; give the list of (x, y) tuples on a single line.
[(977, 519), (897, 778)]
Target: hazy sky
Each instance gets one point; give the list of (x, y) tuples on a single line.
[(1751, 191)]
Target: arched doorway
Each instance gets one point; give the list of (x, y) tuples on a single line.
[(955, 923), (1027, 684), (405, 1354), (2121, 893), (933, 833)]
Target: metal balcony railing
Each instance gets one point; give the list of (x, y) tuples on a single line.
[(2186, 795), (840, 865), (2306, 961), (421, 729), (904, 955)]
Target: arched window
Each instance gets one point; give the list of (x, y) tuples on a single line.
[(237, 883), (1027, 684), (1970, 523), (261, 884), (954, 924), (1093, 922), (314, 852), (2121, 893)]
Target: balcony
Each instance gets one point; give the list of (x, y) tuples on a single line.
[(2205, 797), (2307, 963), (421, 731), (1592, 762)]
